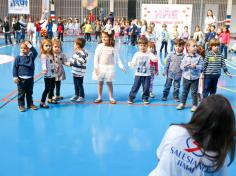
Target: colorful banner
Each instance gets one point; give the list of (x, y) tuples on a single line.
[(169, 14), (18, 7), (89, 4)]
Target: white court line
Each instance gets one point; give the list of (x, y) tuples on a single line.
[(6, 46)]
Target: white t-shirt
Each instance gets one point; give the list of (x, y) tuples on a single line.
[(142, 63), (180, 155)]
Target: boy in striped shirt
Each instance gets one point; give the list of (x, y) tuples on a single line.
[(78, 63), (213, 63)]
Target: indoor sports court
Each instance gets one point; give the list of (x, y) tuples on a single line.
[(85, 138)]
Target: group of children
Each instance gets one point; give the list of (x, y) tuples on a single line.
[(188, 66)]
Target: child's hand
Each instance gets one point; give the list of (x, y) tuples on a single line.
[(130, 65), (193, 66), (16, 80), (229, 75), (67, 64), (163, 74), (44, 71), (123, 69), (96, 71)]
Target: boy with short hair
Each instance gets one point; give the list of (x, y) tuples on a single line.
[(172, 70), (141, 60), (23, 73)]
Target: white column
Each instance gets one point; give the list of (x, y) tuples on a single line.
[(111, 5), (228, 13)]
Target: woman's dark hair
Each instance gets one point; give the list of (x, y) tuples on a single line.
[(213, 127)]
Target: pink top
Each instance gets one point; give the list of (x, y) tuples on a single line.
[(224, 38)]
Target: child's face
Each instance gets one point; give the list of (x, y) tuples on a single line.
[(150, 49), (178, 48), (105, 39), (47, 47), (215, 49), (143, 47), (56, 48), (186, 29), (212, 29), (192, 48), (76, 46), (224, 29), (24, 49)]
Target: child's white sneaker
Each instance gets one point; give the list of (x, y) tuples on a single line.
[(194, 108), (80, 99), (180, 106), (152, 95), (74, 98)]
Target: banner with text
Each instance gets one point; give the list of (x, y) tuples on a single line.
[(18, 7), (169, 14)]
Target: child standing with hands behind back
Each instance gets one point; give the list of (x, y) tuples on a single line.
[(23, 73), (191, 65), (105, 59)]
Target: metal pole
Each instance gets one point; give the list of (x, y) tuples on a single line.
[(82, 9), (111, 5), (201, 11), (229, 12)]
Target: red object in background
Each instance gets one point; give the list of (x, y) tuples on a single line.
[(43, 33)]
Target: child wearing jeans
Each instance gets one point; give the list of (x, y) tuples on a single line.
[(191, 65), (23, 73), (213, 63), (141, 60), (172, 70), (78, 63), (153, 67)]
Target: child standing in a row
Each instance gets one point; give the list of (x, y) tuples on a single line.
[(105, 59), (60, 60), (141, 60), (191, 66), (172, 70), (23, 74), (48, 67), (78, 63), (213, 63)]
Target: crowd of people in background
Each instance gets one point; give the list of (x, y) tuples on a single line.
[(195, 59)]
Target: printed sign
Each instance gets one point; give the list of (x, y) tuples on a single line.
[(169, 14), (18, 7)]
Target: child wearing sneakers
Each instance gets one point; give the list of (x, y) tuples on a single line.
[(141, 60), (23, 73), (172, 70), (153, 67), (48, 67), (213, 63), (78, 63), (191, 65), (60, 60)]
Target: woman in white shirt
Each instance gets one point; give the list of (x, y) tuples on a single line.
[(209, 20), (200, 147)]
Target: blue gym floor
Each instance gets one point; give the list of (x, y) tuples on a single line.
[(87, 139)]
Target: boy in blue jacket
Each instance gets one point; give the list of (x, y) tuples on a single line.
[(23, 75)]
